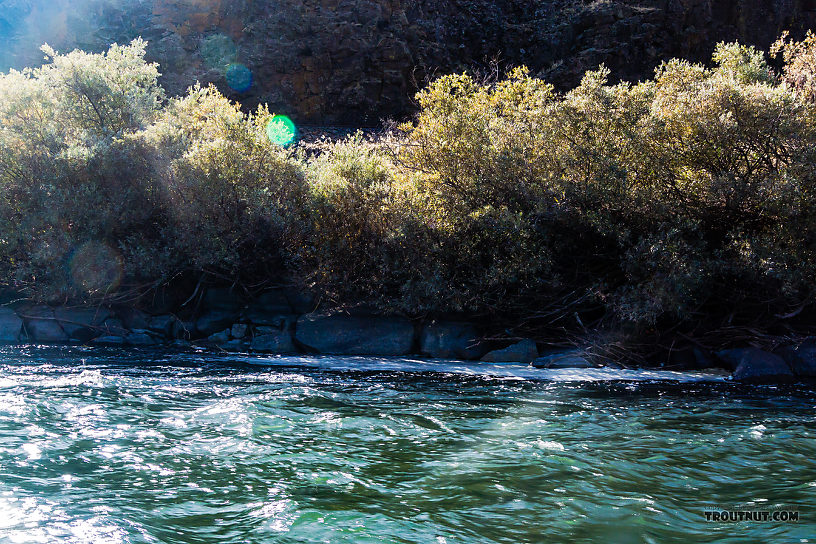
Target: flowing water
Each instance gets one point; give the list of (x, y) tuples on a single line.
[(109, 446)]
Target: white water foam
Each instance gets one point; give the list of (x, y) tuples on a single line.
[(505, 371)]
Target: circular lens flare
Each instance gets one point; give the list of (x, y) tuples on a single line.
[(239, 77), (281, 130)]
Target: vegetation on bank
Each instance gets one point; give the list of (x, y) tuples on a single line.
[(687, 197)]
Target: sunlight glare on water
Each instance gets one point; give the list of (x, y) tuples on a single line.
[(103, 445)]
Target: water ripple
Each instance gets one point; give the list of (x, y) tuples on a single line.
[(102, 446)]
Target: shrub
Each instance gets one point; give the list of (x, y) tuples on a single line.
[(799, 58), (480, 145), (93, 156), (667, 195), (356, 247), (685, 196), (68, 174), (232, 197)]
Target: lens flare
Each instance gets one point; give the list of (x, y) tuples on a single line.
[(281, 130), (95, 267), (239, 77)]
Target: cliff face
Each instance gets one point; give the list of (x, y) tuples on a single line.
[(358, 61)]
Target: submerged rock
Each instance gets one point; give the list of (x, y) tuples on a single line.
[(752, 364), (563, 359), (11, 325), (355, 335), (450, 340), (520, 352)]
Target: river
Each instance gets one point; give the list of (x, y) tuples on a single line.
[(125, 446)]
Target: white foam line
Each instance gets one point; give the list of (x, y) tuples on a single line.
[(476, 369)]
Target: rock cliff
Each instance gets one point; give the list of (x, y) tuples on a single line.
[(357, 61)]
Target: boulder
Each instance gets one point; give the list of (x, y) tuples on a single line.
[(520, 352), (300, 301), (161, 324), (752, 364), (215, 320), (133, 318), (11, 325), (109, 341), (563, 359), (140, 338), (182, 329), (220, 337), (450, 340), (82, 323), (237, 344), (801, 358), (113, 326), (258, 331), (269, 319), (355, 335), (41, 325), (239, 330), (273, 342), (689, 357)]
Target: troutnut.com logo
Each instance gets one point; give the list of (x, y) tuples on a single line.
[(782, 514)]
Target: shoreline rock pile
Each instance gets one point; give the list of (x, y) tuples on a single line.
[(286, 321)]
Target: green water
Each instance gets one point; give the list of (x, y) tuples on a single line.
[(125, 447)]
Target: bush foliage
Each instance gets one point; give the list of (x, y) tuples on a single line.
[(688, 194)]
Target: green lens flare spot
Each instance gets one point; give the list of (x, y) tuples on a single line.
[(281, 130)]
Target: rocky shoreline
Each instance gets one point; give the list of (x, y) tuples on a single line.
[(285, 321)]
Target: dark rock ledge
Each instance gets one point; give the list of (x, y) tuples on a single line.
[(285, 322)]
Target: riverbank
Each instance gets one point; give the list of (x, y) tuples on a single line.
[(286, 321), (664, 223)]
